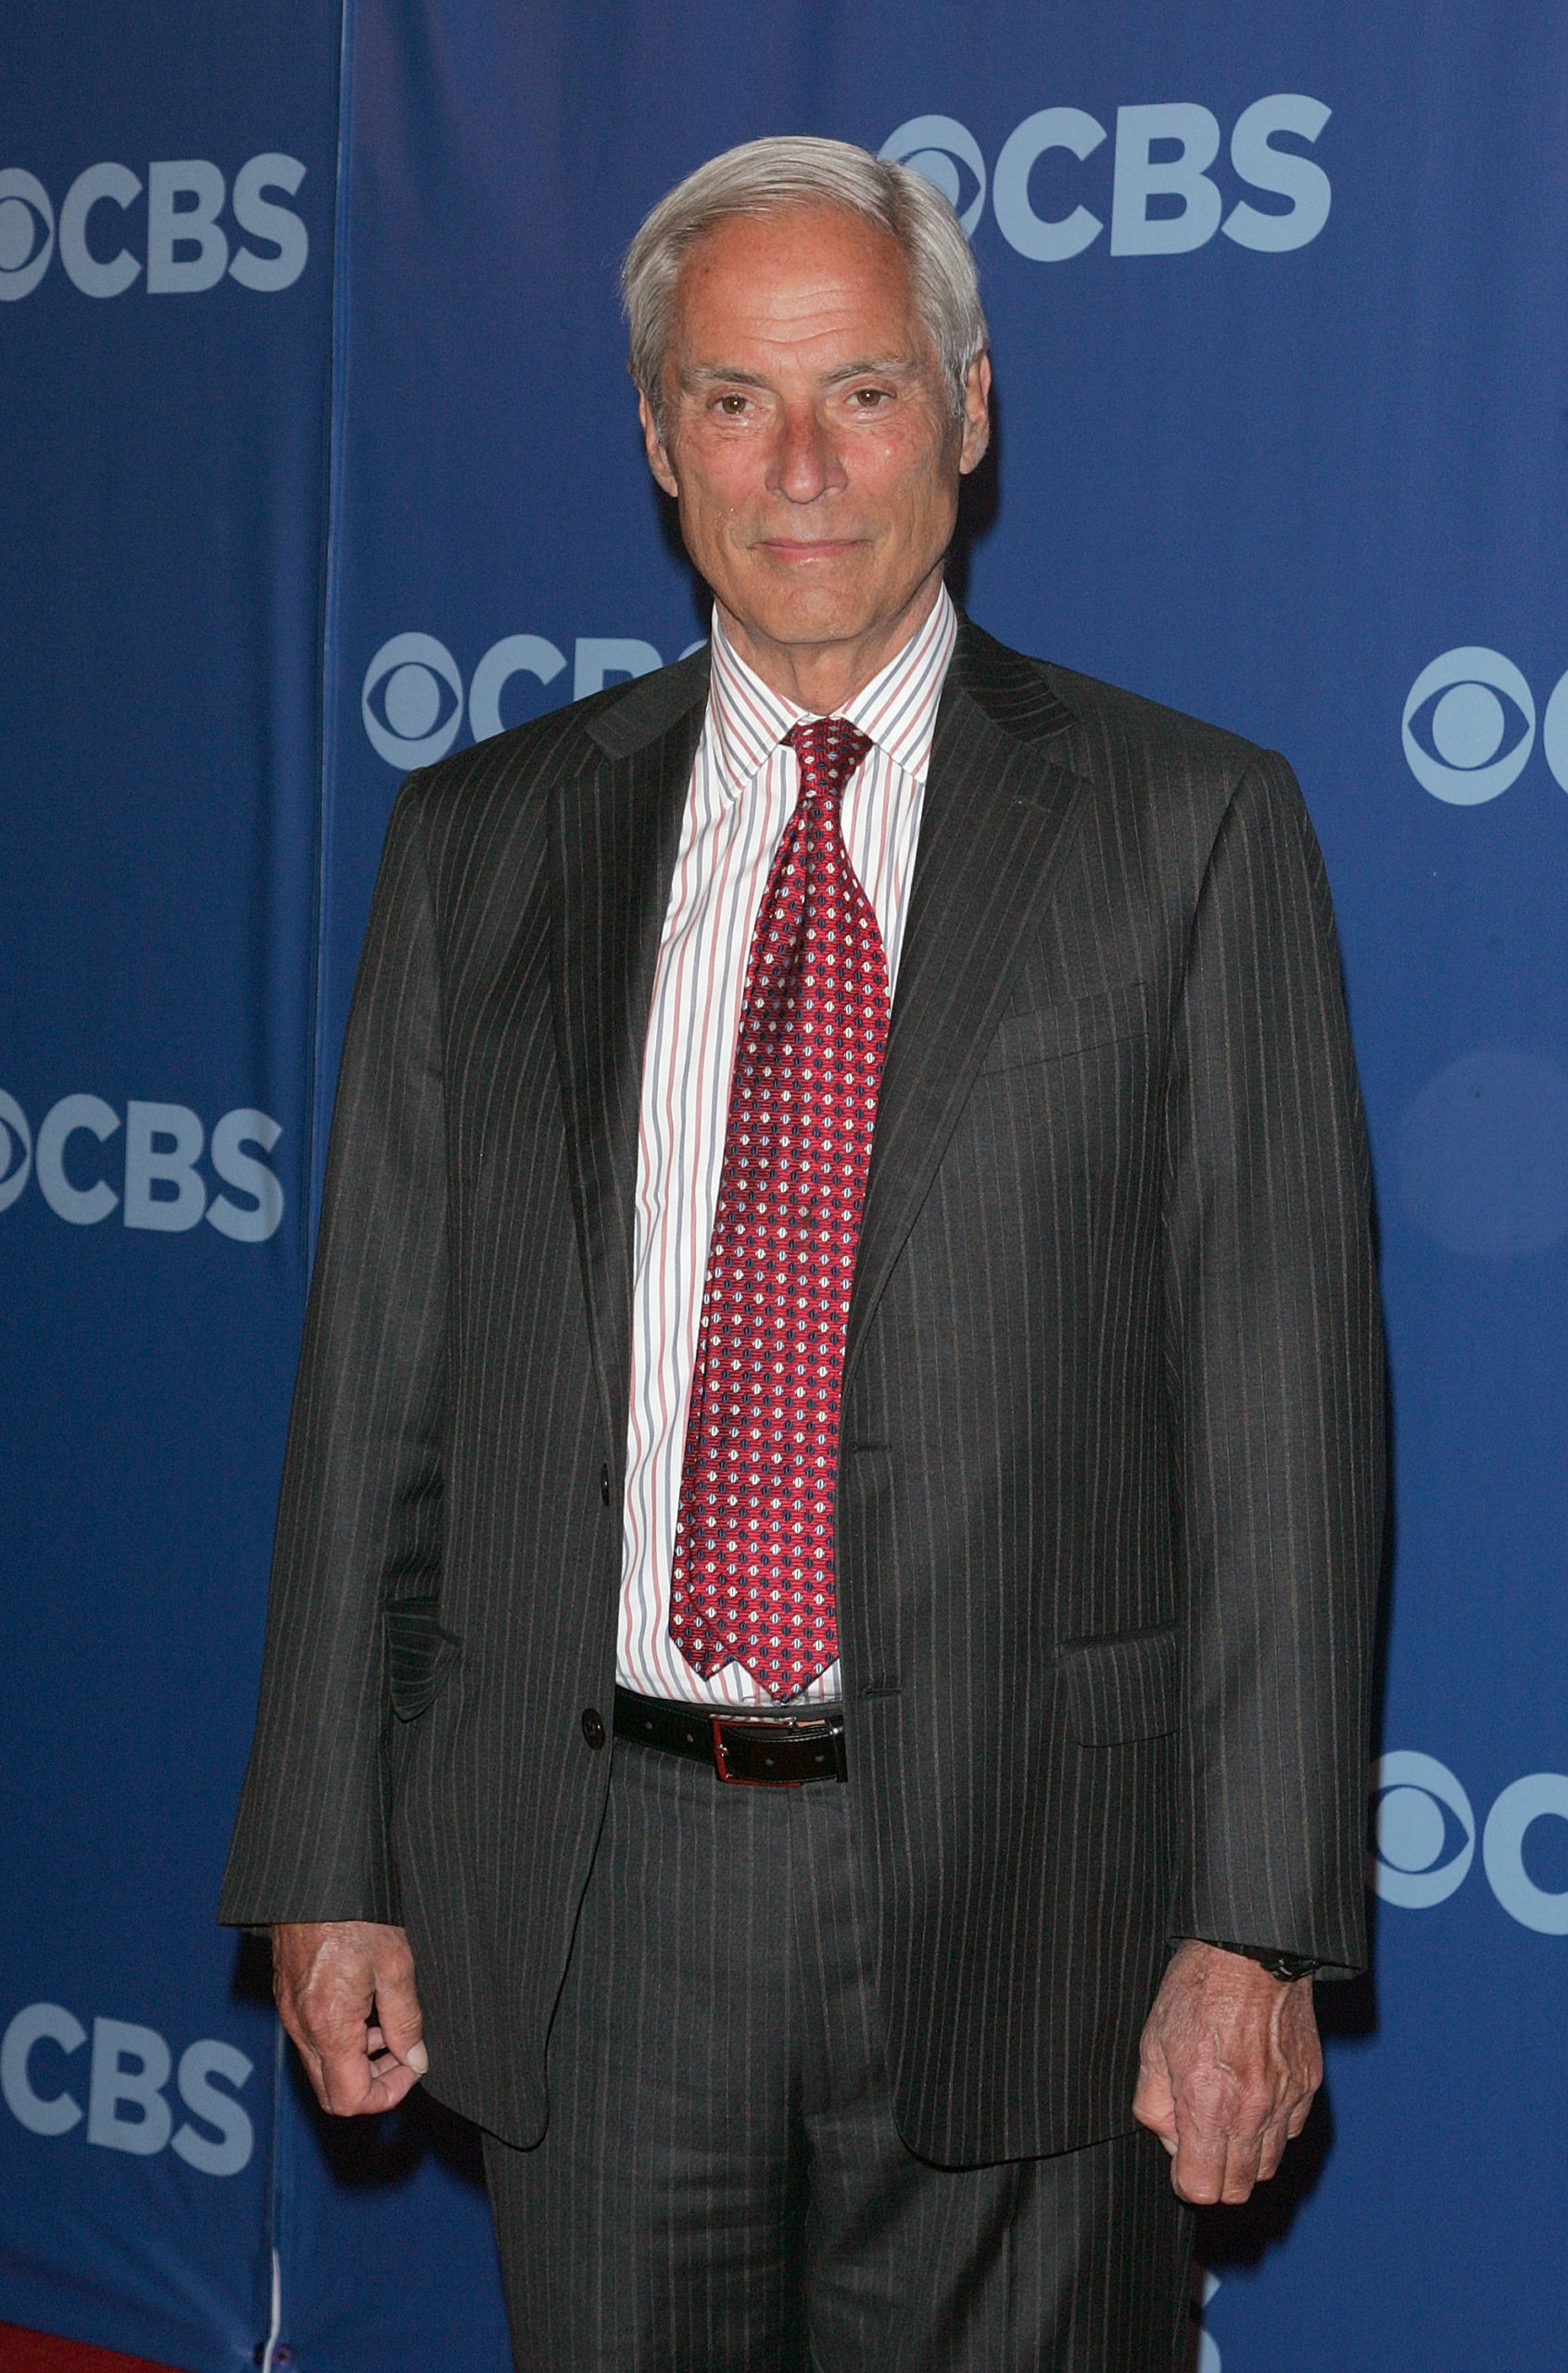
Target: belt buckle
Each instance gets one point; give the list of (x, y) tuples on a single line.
[(738, 1779)]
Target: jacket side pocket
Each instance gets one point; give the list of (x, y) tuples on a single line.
[(420, 1653), (1121, 1689)]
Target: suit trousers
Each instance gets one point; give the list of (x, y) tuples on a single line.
[(721, 2188)]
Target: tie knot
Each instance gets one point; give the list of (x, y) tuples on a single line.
[(829, 750)]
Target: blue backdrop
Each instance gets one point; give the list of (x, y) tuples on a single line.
[(1277, 297)]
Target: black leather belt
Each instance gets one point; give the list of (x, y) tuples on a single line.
[(747, 1750)]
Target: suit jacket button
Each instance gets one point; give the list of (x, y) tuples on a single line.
[(604, 1485), (593, 1726)]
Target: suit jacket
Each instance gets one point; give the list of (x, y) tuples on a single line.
[(1111, 1485)]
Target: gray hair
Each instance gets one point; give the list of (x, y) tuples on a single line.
[(771, 176)]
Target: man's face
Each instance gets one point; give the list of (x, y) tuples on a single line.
[(808, 439)]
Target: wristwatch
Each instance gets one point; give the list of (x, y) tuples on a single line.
[(1287, 1967)]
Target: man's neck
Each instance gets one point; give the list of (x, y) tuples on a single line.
[(823, 678)]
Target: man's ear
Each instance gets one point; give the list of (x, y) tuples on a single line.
[(654, 445), (977, 414)]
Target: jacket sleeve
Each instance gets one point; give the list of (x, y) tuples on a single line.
[(1277, 1394), (360, 1520)]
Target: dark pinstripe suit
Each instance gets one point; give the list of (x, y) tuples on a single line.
[(1111, 1479)]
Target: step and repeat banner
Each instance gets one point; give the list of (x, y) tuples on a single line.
[(167, 179), (321, 462)]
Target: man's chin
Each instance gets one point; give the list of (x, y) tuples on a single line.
[(805, 614)]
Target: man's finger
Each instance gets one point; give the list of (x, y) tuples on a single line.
[(398, 2016), (365, 2091), (1276, 2136), (348, 2077), (1243, 2165), (1154, 2103), (1206, 2115), (1199, 2169), (1295, 2110)]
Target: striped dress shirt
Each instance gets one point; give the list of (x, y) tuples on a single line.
[(744, 784)]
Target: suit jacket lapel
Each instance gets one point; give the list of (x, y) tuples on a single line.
[(614, 834), (998, 820)]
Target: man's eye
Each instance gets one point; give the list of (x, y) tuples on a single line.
[(732, 406)]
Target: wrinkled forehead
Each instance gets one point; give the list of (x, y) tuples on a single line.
[(804, 276)]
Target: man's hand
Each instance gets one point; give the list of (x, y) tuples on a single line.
[(345, 1991), (1228, 2066)]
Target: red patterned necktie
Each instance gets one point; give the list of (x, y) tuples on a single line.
[(753, 1553)]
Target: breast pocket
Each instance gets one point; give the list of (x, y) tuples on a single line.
[(1072, 1026)]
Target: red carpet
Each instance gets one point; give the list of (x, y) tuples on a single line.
[(37, 2353)]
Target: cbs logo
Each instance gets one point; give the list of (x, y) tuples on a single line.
[(163, 1189), (125, 2081), (1423, 1839), (185, 201), (1162, 205), (1469, 726), (413, 698)]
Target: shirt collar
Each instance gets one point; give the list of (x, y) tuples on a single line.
[(897, 709)]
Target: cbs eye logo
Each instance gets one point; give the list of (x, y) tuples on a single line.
[(27, 232), (1422, 1839), (412, 701), (1469, 726), (929, 144), (16, 1150), (1423, 1831)]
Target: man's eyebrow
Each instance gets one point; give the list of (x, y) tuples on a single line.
[(884, 366), (712, 374), (876, 366)]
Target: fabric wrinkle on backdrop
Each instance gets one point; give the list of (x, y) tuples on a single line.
[(323, 461)]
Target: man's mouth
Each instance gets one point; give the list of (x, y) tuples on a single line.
[(793, 552)]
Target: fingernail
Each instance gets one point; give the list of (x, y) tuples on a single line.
[(417, 2059)]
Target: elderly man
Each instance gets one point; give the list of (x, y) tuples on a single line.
[(831, 1521)]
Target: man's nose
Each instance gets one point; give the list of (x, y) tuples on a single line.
[(806, 463)]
